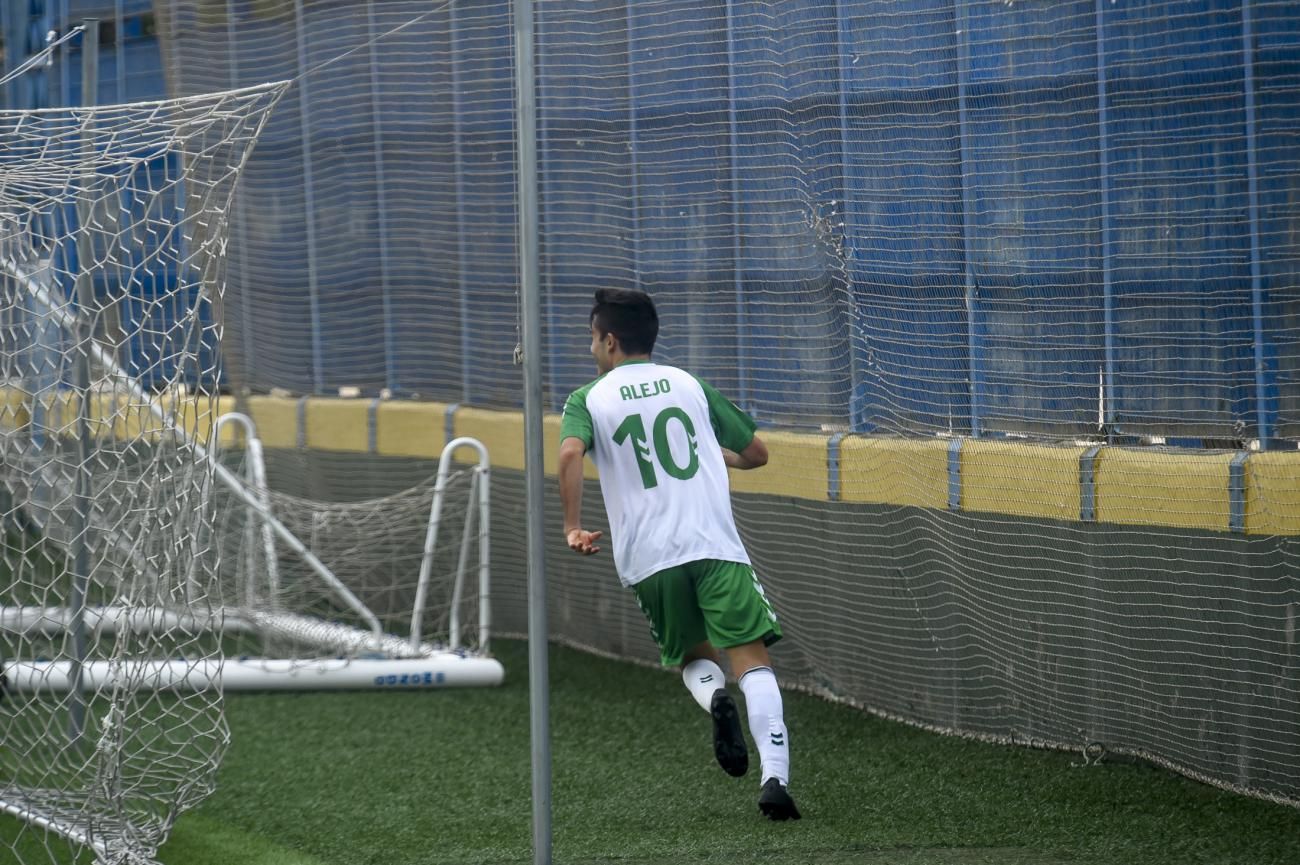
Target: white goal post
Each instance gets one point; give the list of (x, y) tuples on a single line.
[(348, 657)]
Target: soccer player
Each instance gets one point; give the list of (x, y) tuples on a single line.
[(662, 441)]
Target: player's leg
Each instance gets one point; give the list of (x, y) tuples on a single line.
[(741, 621), (707, 683), (702, 674), (676, 624), (667, 599), (766, 713)]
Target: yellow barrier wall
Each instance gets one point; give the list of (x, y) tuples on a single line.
[(796, 467), (912, 472), (410, 429), (337, 425), (1131, 486), (1273, 494), (120, 416), (501, 432), (1154, 488), (276, 419), (1046, 479)]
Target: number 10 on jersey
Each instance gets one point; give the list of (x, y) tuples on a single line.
[(633, 427)]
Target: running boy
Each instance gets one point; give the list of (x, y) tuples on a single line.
[(662, 441)]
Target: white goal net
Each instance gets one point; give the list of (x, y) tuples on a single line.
[(112, 250)]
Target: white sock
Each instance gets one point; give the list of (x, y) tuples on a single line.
[(702, 678), (767, 722)]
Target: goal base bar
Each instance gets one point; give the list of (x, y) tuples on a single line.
[(443, 670), (332, 638), (71, 826)]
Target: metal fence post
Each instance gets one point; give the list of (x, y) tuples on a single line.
[(1262, 420), (381, 200), (737, 251), (1107, 413), (309, 203), (857, 400), (974, 339), (633, 144)]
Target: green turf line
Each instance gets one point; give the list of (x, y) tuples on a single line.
[(198, 840)]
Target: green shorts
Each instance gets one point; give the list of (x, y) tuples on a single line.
[(721, 602)]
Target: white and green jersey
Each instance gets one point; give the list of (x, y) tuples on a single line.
[(656, 434)]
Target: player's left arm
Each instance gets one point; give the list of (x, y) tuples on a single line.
[(753, 456)]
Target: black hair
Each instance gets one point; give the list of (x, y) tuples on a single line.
[(628, 314)]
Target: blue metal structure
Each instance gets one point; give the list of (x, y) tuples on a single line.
[(965, 220), (25, 27)]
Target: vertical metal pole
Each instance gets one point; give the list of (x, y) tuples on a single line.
[(309, 202), (737, 251), (554, 347), (857, 401), (1262, 419), (538, 674), (1106, 387), (84, 289), (974, 340), (1107, 229), (10, 30), (462, 247), (65, 80), (42, 361), (247, 343), (119, 52), (633, 145), (381, 197)]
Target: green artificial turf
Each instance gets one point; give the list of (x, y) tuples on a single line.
[(443, 778)]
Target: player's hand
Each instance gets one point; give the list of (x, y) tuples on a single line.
[(583, 542)]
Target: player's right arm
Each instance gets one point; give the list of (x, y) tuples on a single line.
[(576, 437), (580, 540)]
